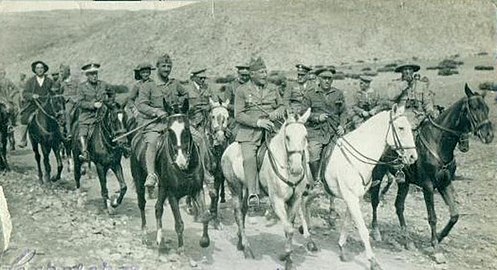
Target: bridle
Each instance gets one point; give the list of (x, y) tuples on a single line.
[(219, 128), (187, 149), (275, 166)]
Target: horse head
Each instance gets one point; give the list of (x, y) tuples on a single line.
[(295, 140), (179, 135), (114, 120), (218, 117), (476, 113), (400, 136)]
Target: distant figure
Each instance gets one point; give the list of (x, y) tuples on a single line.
[(9, 95), (296, 90), (68, 88), (55, 76)]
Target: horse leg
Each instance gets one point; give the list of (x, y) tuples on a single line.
[(279, 207), (241, 208), (403, 190), (77, 172), (140, 194), (159, 211), (46, 162), (222, 194), (342, 240), (205, 218), (118, 171), (218, 182), (102, 178), (179, 226), (387, 187), (58, 158), (38, 160), (448, 196), (375, 201), (432, 220), (355, 212), (304, 228)]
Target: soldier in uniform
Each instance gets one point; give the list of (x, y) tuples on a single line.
[(142, 74), (414, 93), (68, 88), (257, 105), (37, 86), (243, 77), (296, 90), (367, 101), (92, 93), (327, 120)]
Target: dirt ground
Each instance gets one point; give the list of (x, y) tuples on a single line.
[(66, 229)]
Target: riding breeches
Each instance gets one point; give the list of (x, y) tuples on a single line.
[(249, 155)]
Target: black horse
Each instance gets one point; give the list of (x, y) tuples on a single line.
[(4, 133), (179, 170), (103, 151), (44, 130), (436, 165)]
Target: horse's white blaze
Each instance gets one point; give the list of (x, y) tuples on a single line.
[(178, 128), (120, 117)]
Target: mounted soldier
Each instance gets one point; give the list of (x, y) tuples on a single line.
[(92, 93), (327, 121), (367, 101), (37, 86), (296, 90), (414, 93), (257, 105), (68, 88)]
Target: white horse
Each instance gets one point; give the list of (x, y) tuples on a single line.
[(284, 175), (349, 169)]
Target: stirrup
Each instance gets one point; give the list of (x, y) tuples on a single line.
[(400, 177), (84, 156), (253, 200)]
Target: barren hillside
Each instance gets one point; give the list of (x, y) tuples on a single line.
[(284, 32)]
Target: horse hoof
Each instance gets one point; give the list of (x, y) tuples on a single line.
[(247, 251), (375, 265), (180, 250), (289, 264), (376, 235), (345, 256), (410, 246), (114, 203), (311, 246), (439, 258), (54, 179), (223, 200), (204, 242)]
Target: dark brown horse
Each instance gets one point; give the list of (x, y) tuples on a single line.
[(4, 118), (179, 170), (103, 152), (44, 131), (435, 168)]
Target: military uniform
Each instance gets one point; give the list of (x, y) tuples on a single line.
[(88, 95), (367, 103)]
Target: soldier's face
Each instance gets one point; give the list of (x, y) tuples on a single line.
[(145, 74), (243, 78), (164, 69), (199, 80), (39, 70), (64, 73), (259, 77), (55, 77), (325, 82), (364, 85), (407, 74), (92, 76), (301, 78)]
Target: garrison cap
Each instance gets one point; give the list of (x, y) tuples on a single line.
[(257, 64), (302, 69), (164, 59)]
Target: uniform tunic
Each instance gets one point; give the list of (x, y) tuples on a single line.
[(88, 95)]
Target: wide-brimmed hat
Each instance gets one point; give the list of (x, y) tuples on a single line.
[(33, 65), (141, 67), (91, 67), (400, 68)]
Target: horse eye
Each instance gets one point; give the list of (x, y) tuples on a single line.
[(402, 128)]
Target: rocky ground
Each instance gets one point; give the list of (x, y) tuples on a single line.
[(56, 226)]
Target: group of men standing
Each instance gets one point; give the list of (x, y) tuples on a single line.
[(256, 105)]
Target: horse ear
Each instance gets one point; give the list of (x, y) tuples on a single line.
[(226, 103), (212, 103), (167, 107), (468, 91), (303, 118), (186, 106), (398, 109)]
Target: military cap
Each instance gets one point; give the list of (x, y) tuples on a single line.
[(243, 69), (91, 67), (199, 73), (302, 69), (365, 78), (257, 64), (316, 69), (327, 71), (400, 68), (164, 59), (33, 65)]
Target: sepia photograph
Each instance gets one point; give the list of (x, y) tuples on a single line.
[(248, 134)]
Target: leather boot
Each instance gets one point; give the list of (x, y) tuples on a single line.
[(249, 152), (84, 156), (152, 178)]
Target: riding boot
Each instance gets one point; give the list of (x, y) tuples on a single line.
[(152, 178), (23, 129), (249, 154), (84, 156)]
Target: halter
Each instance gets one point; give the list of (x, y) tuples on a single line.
[(274, 164), (109, 133), (187, 149), (225, 130)]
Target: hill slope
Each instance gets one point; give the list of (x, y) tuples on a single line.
[(284, 32)]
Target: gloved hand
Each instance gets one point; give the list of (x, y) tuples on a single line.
[(97, 105), (276, 114), (340, 131), (365, 113), (322, 117), (265, 124), (36, 96), (372, 112)]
